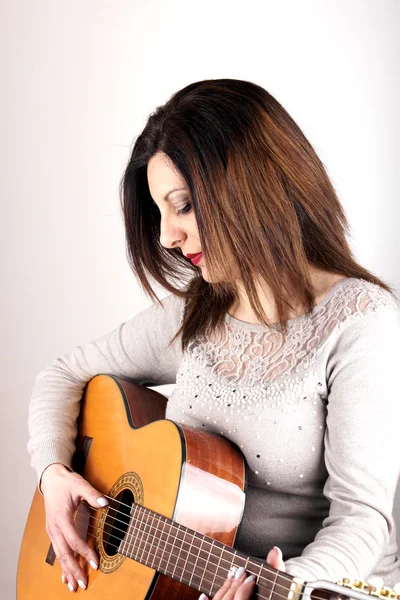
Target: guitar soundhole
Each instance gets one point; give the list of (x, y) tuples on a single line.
[(114, 520), (117, 521)]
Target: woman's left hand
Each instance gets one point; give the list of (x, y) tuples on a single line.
[(240, 586)]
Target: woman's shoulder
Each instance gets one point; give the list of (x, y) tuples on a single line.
[(359, 308), (356, 297)]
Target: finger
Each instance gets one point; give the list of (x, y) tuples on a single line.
[(246, 588), (275, 559), (78, 544), (221, 593), (69, 564), (64, 578), (243, 592), (90, 494), (227, 591), (236, 582)]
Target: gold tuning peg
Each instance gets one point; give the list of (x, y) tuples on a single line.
[(344, 582), (387, 592), (358, 584)]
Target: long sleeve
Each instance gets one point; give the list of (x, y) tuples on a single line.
[(137, 349), (362, 450)]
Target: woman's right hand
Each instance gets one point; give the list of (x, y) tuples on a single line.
[(63, 491)]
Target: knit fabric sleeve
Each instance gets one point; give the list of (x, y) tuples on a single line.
[(362, 450), (136, 349)]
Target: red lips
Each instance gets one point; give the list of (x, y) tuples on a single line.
[(195, 258)]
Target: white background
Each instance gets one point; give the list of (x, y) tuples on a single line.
[(79, 78)]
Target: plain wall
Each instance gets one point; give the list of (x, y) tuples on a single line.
[(79, 79)]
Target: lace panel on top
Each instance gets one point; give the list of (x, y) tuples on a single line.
[(254, 354)]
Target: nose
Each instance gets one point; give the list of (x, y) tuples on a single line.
[(171, 235)]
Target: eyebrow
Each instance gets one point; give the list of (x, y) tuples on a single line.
[(173, 190)]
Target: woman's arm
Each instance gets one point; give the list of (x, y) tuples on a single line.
[(362, 450), (136, 349)]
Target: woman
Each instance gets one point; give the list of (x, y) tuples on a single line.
[(280, 340)]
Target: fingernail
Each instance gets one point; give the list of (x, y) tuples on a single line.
[(232, 572), (63, 578), (102, 501), (279, 551), (93, 565), (239, 573), (250, 578), (70, 587), (81, 584), (203, 597)]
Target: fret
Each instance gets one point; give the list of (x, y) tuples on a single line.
[(227, 562), (273, 587), (170, 552), (167, 531), (233, 560), (177, 556), (130, 532), (270, 586), (140, 533), (147, 546), (158, 543), (283, 584), (198, 557), (178, 559), (207, 561), (171, 545), (241, 561), (216, 571), (197, 560), (189, 551)]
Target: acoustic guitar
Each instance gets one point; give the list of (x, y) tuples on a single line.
[(176, 499)]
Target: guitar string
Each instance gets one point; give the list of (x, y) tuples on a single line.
[(214, 582), (209, 541), (142, 508), (204, 579)]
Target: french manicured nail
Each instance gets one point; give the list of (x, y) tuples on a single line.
[(81, 584), (250, 578), (93, 565), (70, 587), (202, 597), (279, 551), (63, 578), (239, 573), (102, 501)]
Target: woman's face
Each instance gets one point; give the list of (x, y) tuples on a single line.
[(178, 227)]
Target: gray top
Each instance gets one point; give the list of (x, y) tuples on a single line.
[(316, 418)]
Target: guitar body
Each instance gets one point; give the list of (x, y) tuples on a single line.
[(128, 450)]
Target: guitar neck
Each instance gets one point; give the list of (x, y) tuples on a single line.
[(197, 560)]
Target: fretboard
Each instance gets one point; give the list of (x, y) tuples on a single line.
[(195, 559)]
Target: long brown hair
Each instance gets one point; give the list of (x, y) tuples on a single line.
[(263, 202)]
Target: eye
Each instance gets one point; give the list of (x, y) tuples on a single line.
[(185, 209)]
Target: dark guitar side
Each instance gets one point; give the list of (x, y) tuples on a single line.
[(176, 466)]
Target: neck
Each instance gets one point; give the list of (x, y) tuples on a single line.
[(195, 559), (321, 281)]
